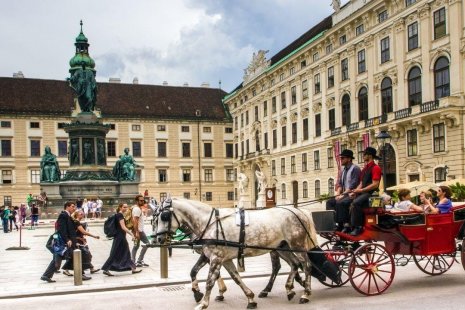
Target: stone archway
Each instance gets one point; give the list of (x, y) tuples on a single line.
[(390, 169)]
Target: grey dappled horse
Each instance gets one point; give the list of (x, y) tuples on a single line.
[(271, 229)]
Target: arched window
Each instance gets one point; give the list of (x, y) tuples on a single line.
[(363, 104), (305, 189), (414, 86), (386, 96), (331, 187), (346, 110), (317, 189), (283, 191), (441, 78), (440, 174)]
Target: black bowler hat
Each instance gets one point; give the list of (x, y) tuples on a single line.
[(371, 151), (347, 153)]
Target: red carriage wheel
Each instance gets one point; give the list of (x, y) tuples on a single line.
[(434, 264), (341, 258), (462, 254), (371, 269)]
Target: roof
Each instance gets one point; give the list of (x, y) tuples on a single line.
[(53, 97)]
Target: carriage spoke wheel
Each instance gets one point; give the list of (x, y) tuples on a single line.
[(341, 258), (434, 264), (371, 269), (462, 254)]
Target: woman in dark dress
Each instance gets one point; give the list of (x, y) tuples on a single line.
[(81, 240), (120, 257)]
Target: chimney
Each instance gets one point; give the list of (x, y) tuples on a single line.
[(19, 75), (135, 81), (185, 84), (165, 83), (114, 80), (205, 84)]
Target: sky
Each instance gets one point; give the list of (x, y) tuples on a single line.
[(177, 41)]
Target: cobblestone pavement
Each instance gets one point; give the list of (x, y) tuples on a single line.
[(20, 270)]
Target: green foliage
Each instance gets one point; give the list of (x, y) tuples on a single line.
[(323, 197), (395, 196), (458, 191)]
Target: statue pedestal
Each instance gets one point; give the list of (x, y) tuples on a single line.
[(261, 201), (244, 203), (51, 189)]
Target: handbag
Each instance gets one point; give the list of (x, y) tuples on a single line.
[(58, 245), (49, 244)]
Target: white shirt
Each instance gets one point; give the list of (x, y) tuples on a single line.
[(137, 212), (404, 205)]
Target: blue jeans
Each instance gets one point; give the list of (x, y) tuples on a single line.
[(34, 219), (5, 225)]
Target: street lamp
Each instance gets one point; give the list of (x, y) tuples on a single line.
[(382, 139)]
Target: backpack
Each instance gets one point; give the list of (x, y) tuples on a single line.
[(109, 227), (128, 219)]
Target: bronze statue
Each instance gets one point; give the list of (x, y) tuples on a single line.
[(125, 167), (49, 168), (84, 84)]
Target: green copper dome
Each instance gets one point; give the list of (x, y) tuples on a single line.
[(81, 58)]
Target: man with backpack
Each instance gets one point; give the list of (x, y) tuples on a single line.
[(139, 212)]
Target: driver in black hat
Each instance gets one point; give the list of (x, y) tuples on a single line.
[(369, 182), (348, 181)]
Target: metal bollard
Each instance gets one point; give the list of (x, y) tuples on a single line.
[(164, 262), (77, 265)]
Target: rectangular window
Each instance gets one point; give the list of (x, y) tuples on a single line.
[(317, 125), (293, 95), (7, 176), (304, 162), (385, 54), (265, 108), (409, 2), (230, 175), (303, 64), (5, 124), (230, 196), (316, 80), (273, 105), (315, 57), (330, 156), (161, 128), (293, 164), (359, 30), (439, 138), (111, 148), (382, 16), (283, 100), (361, 61), (162, 176), (265, 139), (186, 149), (342, 39), (275, 138), (439, 23), (228, 130), (304, 89), (207, 150), (184, 128), (281, 77), (34, 125), (61, 125), (412, 30), (236, 123), (283, 136), (161, 149), (136, 127), (330, 77), (207, 129), (360, 150), (236, 149), (329, 49), (294, 132), (208, 196), (317, 189), (344, 69), (246, 118), (229, 150), (35, 148), (316, 160), (412, 142), (208, 175), (112, 127), (332, 119), (163, 196), (305, 190), (273, 167), (292, 71), (247, 146), (35, 176), (186, 175), (186, 195), (62, 148), (283, 165), (305, 129), (136, 149)]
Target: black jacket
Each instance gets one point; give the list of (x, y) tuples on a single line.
[(65, 227)]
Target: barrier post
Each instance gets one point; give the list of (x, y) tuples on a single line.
[(77, 266), (163, 262)]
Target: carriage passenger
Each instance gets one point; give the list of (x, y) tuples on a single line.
[(426, 201), (445, 204), (405, 203), (369, 182)]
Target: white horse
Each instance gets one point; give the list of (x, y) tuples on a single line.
[(276, 228)]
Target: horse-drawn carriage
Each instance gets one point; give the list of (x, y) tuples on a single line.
[(388, 240)]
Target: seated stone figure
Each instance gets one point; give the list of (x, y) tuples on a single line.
[(49, 168), (125, 167)]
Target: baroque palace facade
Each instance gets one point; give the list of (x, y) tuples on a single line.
[(372, 66), (181, 137)]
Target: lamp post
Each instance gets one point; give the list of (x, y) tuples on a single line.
[(382, 139)]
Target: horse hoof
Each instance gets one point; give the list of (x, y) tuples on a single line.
[(198, 296), (304, 300), (252, 305), (219, 298), (263, 294), (290, 296)]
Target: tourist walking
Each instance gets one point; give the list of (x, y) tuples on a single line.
[(22, 214), (120, 257), (85, 207), (66, 233), (12, 217), (81, 234), (5, 214), (139, 213), (34, 215), (98, 209)]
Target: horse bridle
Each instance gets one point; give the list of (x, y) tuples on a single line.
[(165, 212)]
